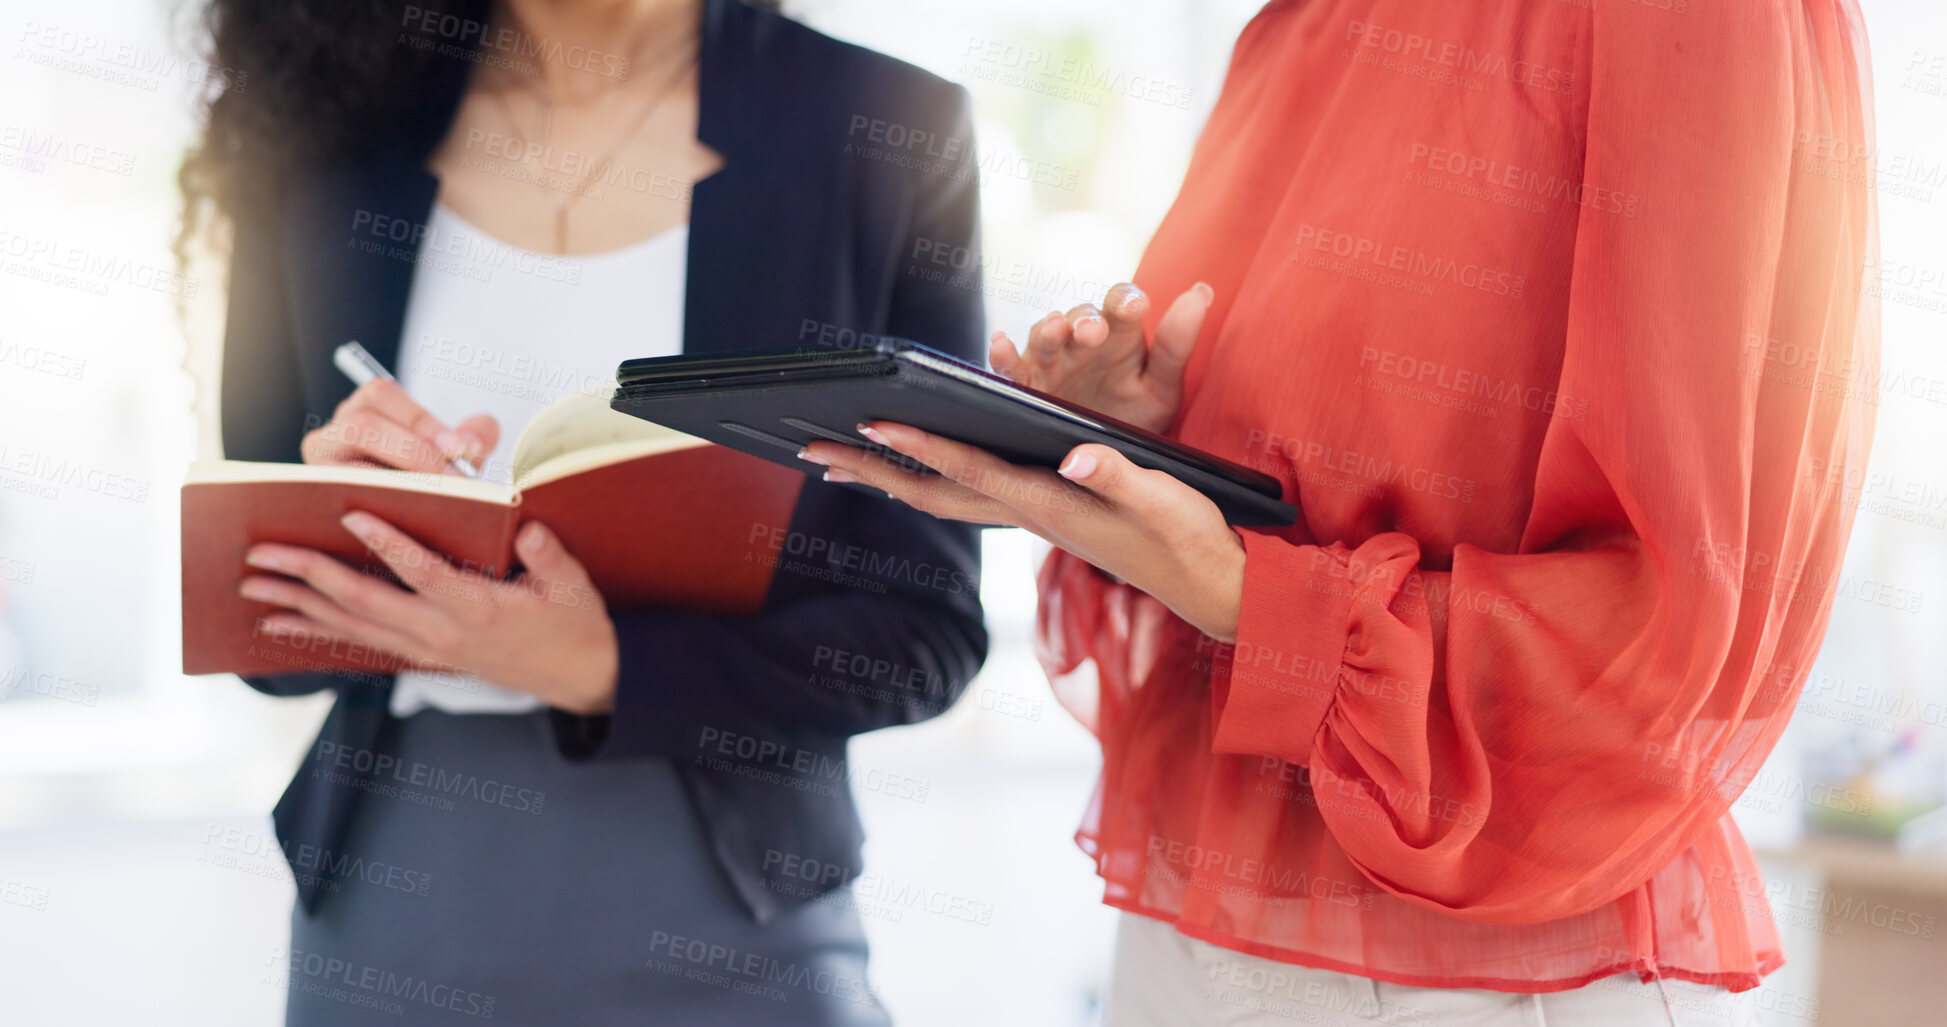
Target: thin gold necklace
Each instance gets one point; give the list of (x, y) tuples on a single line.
[(546, 99)]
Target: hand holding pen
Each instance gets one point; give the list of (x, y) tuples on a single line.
[(440, 614), (378, 425)]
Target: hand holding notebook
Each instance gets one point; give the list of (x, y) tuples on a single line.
[(637, 515)]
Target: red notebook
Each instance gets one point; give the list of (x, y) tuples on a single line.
[(657, 517)]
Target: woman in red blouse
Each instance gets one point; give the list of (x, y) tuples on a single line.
[(1551, 324)]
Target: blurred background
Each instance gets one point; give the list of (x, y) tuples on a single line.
[(125, 786)]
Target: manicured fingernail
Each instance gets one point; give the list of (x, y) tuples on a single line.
[(1205, 291), (449, 442), (873, 433), (1086, 318), (839, 477), (261, 558), (533, 537), (474, 446), (812, 458), (1079, 466), (255, 590), (358, 524)]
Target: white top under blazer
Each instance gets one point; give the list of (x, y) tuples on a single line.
[(497, 329)]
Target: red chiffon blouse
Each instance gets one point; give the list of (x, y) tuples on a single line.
[(1548, 316)]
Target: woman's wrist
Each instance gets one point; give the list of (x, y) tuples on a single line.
[(1212, 597), (590, 690)]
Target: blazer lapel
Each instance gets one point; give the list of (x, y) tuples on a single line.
[(753, 276), (355, 232), (355, 243), (716, 257)]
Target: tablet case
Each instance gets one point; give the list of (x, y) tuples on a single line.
[(772, 403)]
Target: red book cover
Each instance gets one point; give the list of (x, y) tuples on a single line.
[(657, 517)]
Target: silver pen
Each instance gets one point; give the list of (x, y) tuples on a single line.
[(362, 367)]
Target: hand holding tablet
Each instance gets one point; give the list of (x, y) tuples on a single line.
[(774, 404)]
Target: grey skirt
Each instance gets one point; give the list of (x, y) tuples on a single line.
[(485, 879)]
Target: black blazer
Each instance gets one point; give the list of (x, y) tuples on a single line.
[(846, 197)]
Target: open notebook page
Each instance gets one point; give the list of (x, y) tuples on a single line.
[(579, 432)]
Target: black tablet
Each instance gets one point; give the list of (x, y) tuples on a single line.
[(772, 403)]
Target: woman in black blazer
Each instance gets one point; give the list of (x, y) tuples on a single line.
[(619, 854)]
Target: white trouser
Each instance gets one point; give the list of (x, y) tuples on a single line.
[(1165, 979)]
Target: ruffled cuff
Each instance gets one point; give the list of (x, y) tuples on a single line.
[(1272, 688)]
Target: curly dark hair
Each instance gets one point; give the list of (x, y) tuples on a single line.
[(303, 81)]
